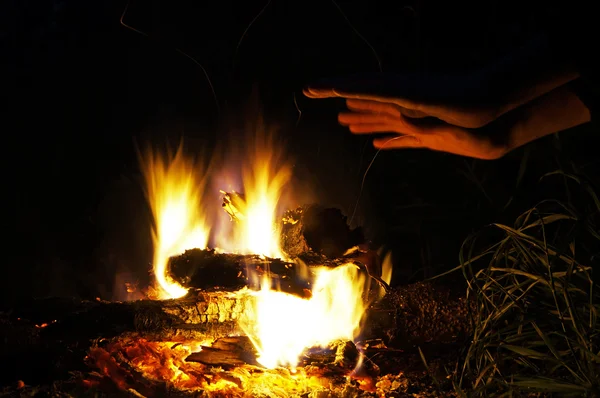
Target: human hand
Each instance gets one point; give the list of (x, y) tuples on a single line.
[(460, 116), (369, 116)]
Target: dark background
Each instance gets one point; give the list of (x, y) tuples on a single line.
[(82, 90)]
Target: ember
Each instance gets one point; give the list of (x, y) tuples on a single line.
[(165, 362)]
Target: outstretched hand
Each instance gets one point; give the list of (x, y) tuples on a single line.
[(416, 125), (461, 116)]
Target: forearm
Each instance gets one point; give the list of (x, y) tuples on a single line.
[(531, 71), (555, 111), (536, 89)]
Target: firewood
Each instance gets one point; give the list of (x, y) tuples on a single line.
[(226, 352), (198, 316), (314, 229), (207, 270), (49, 337), (309, 232)]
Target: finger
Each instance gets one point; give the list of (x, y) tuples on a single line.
[(409, 108), (403, 102), (362, 122), (369, 128), (373, 107), (392, 105), (347, 118), (400, 141), (319, 93)]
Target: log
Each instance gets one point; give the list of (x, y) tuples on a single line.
[(316, 230), (309, 232), (208, 270), (420, 312), (200, 315), (49, 337)]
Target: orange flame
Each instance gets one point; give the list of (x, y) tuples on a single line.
[(174, 191), (280, 325), (265, 176)]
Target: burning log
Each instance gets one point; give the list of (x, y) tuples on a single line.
[(310, 232), (53, 335), (417, 313), (208, 270)]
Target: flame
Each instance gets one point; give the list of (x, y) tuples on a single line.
[(282, 325), (174, 191), (265, 175)]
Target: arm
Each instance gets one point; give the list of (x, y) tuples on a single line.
[(533, 70), (555, 111)]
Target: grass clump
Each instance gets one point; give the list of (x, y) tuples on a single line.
[(535, 304)]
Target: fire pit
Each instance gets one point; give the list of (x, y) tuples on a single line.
[(292, 304)]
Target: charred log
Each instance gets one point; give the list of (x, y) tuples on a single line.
[(309, 232), (208, 270), (314, 229)]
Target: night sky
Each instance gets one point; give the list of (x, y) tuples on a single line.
[(83, 90)]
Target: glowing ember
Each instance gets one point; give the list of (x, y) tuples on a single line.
[(165, 362), (174, 192), (282, 326)]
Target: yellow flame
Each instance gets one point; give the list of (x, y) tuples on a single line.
[(174, 192), (265, 175), (282, 325)]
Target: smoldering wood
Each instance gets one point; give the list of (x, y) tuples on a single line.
[(209, 270), (317, 230), (199, 316), (227, 352), (309, 232), (419, 314)]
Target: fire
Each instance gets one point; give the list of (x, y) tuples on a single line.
[(282, 325), (265, 176), (264, 182), (174, 191)]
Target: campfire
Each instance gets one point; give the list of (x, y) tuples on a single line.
[(281, 314), (254, 295)]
